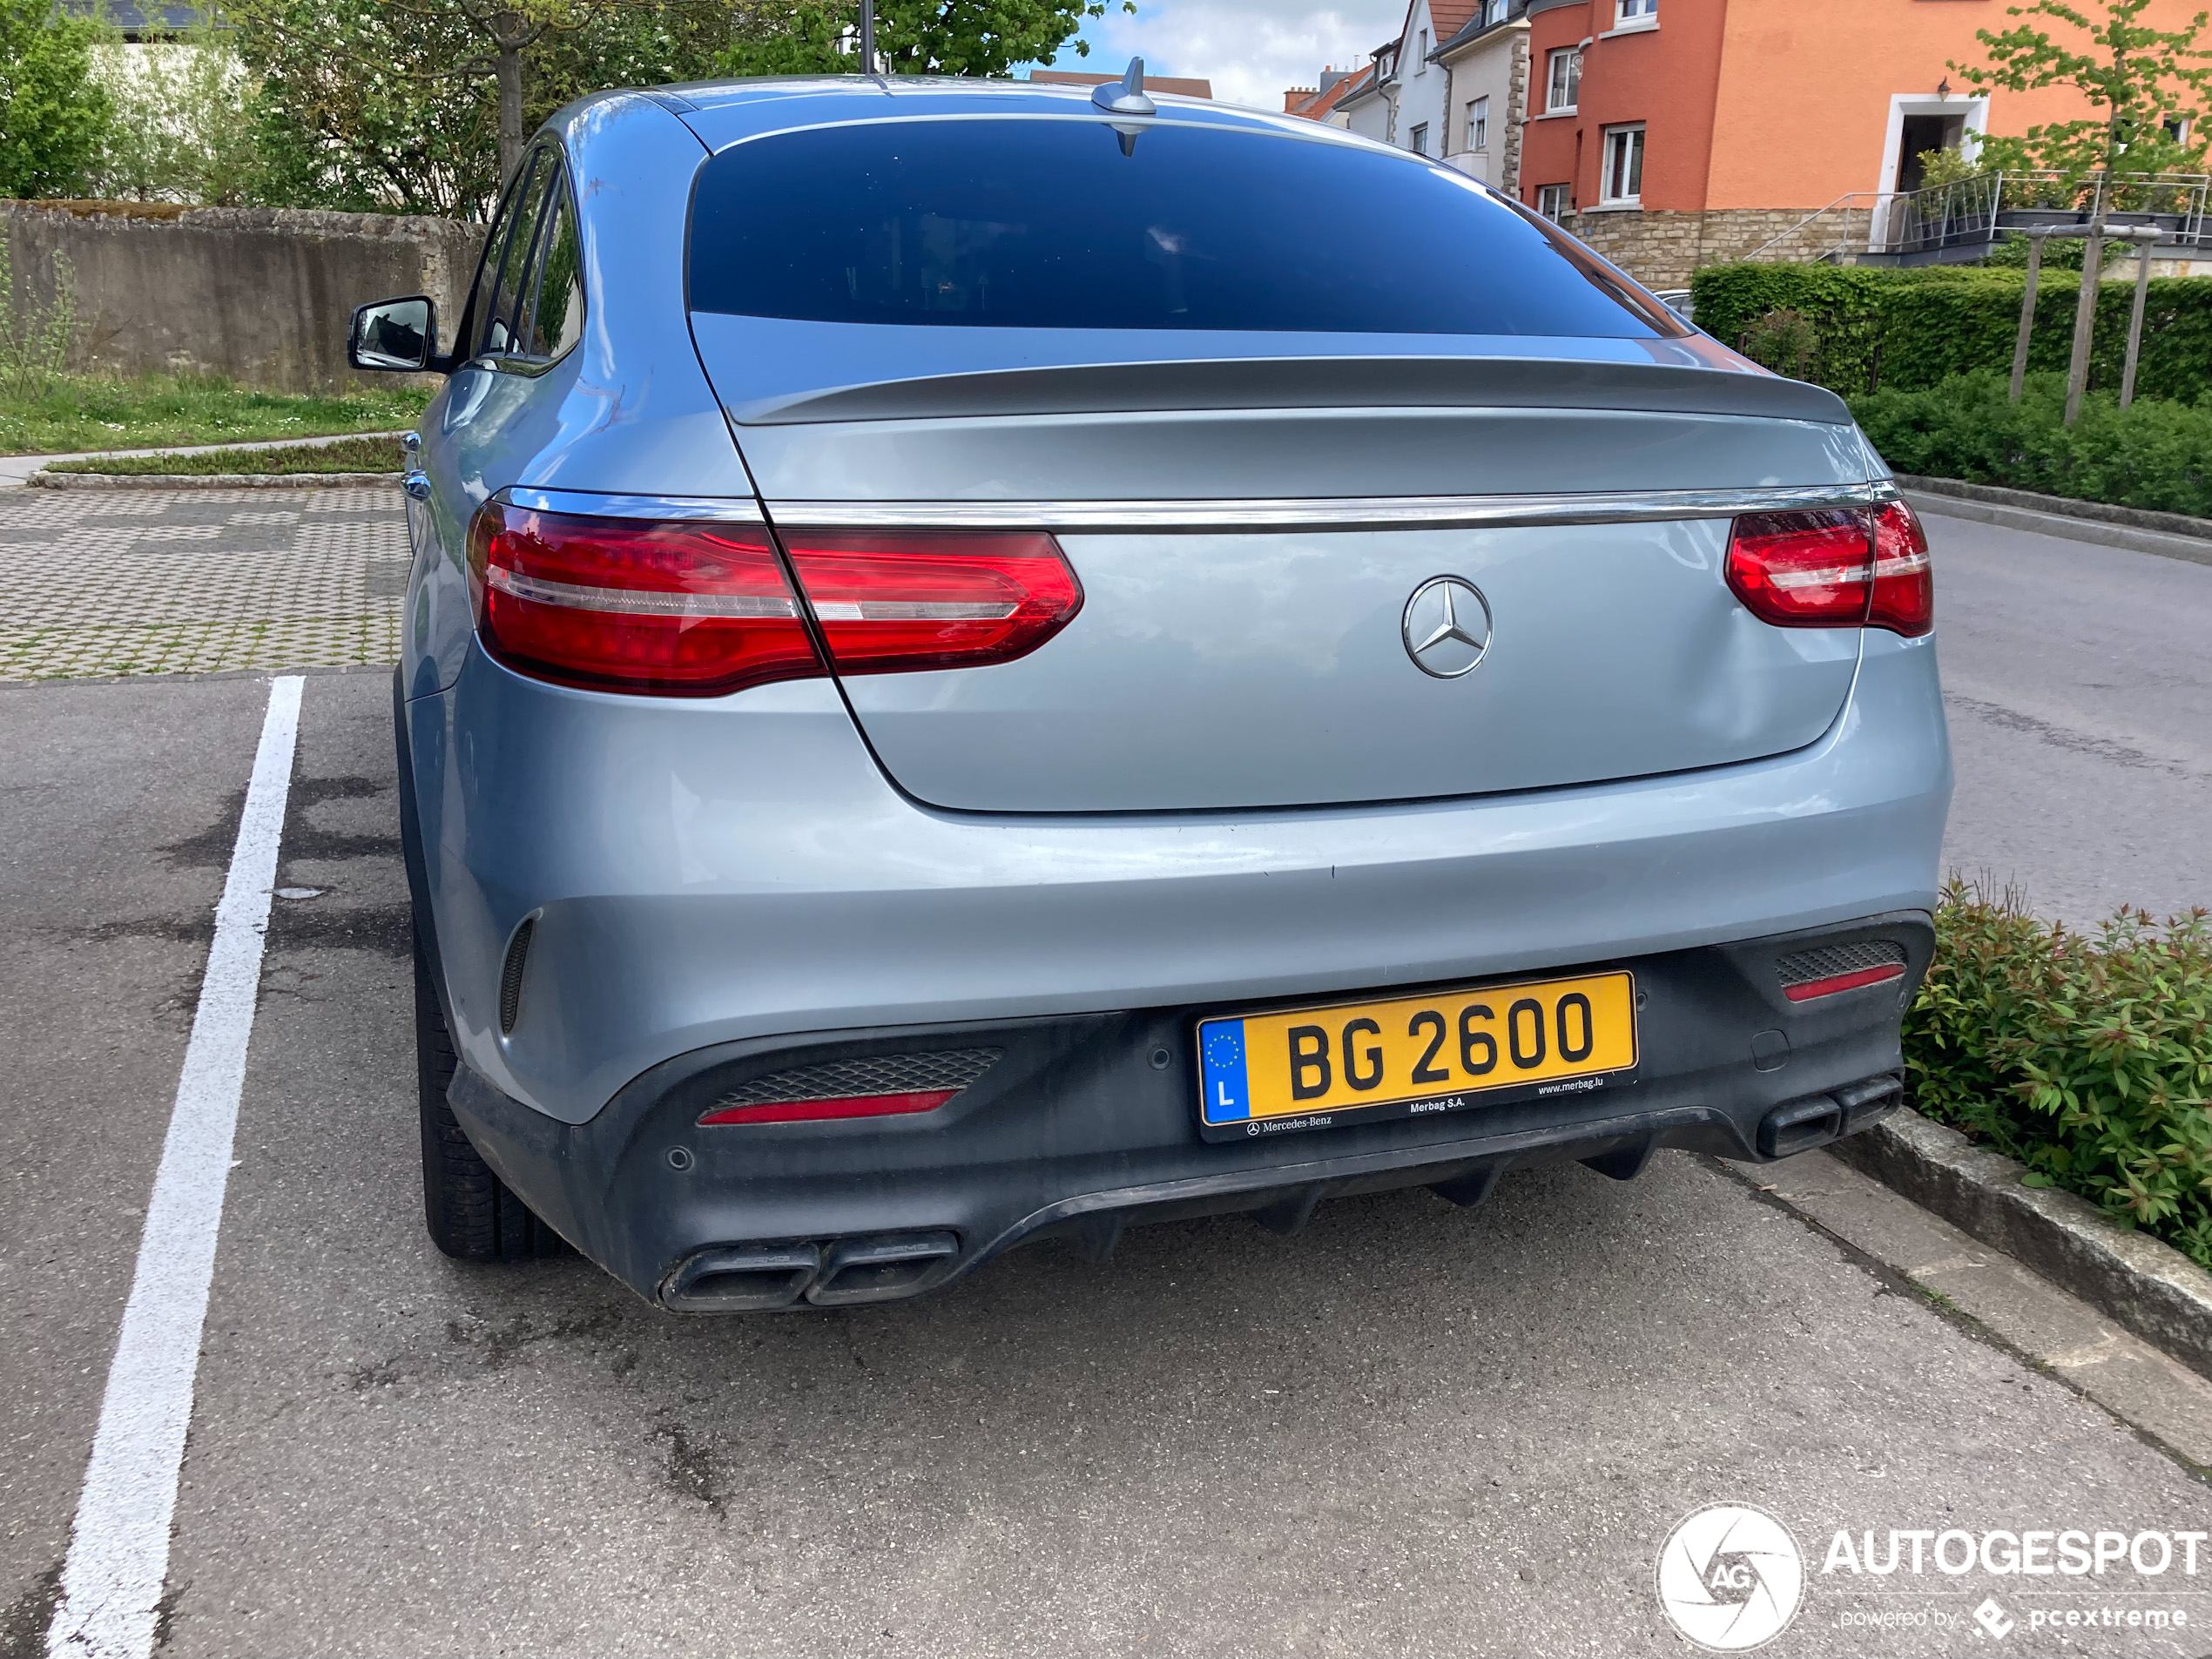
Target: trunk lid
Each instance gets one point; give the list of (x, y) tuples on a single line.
[(1249, 534)]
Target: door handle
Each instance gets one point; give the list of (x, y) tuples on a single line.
[(417, 484)]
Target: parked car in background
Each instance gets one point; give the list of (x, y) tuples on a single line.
[(968, 680)]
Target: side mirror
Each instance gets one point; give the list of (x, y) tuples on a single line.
[(399, 335)]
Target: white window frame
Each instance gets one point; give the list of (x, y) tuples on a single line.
[(1624, 142), (1569, 58), (1554, 202), (1417, 140), (1633, 14), (1478, 124), (1493, 11)]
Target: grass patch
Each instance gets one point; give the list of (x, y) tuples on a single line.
[(79, 412), (2087, 1059), (348, 455)]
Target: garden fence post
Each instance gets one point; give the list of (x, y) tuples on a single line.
[(2085, 316), (2035, 239), (2146, 238)]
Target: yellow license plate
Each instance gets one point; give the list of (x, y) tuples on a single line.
[(1311, 1067)]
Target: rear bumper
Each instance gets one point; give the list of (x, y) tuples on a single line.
[(734, 871), (1080, 1128)]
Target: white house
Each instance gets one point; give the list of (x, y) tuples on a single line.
[(1425, 99), (1486, 69)]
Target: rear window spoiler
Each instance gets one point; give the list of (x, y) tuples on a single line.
[(1310, 383)]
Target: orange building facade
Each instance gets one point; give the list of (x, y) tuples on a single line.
[(1670, 133)]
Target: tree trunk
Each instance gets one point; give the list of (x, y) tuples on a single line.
[(510, 66)]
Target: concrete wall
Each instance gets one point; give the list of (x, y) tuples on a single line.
[(260, 295)]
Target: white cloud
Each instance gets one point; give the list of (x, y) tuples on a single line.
[(1252, 49)]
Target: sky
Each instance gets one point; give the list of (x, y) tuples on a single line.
[(1252, 49)]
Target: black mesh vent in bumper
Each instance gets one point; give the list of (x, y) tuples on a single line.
[(1829, 961), (510, 975), (890, 1074)]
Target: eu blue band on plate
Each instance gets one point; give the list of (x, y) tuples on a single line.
[(1221, 1055)]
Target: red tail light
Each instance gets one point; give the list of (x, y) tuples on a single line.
[(1904, 579), (1843, 569), (700, 610), (675, 609), (932, 599)]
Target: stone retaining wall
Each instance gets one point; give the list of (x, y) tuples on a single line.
[(260, 295), (1660, 249)]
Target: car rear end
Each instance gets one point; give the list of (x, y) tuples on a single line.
[(1251, 671)]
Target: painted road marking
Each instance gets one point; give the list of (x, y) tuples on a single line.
[(118, 1548)]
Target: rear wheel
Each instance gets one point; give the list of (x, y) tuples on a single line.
[(472, 1214)]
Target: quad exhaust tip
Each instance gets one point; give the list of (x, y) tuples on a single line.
[(1800, 1125), (837, 1272)]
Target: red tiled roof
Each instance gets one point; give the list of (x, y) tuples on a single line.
[(1315, 107), (1152, 83), (1449, 17)]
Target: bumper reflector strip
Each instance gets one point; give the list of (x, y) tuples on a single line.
[(1835, 982), (805, 1111)]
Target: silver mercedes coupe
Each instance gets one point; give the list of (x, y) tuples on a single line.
[(986, 663)]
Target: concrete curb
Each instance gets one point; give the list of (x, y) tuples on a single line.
[(18, 470), (207, 480), (2150, 1288), (2074, 520)]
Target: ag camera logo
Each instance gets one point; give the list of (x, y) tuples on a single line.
[(1730, 1577)]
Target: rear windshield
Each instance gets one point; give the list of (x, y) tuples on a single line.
[(1046, 224)]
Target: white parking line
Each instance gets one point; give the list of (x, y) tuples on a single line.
[(119, 1549)]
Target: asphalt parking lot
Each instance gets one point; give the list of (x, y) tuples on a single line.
[(1408, 1430)]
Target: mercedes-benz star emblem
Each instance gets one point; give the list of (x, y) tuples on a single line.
[(1447, 627)]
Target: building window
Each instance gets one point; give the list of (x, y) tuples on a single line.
[(1424, 51), (1566, 82), (1420, 139), (1478, 124), (1639, 11), (1552, 201), (1623, 182), (1494, 13)]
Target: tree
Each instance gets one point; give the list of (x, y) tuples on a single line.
[(54, 113), (2151, 86), (373, 106), (913, 36), (184, 127)]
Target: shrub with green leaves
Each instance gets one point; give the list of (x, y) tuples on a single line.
[(54, 113), (2089, 1060), (1914, 328), (2155, 454)]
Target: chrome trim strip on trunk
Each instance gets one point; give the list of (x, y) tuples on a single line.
[(729, 509), (1384, 512)]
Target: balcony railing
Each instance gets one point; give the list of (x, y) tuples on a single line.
[(1964, 219)]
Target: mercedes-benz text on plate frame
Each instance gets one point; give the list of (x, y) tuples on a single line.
[(1068, 701), (1447, 627), (1312, 1067)]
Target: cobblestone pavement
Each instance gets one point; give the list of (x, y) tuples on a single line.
[(95, 582)]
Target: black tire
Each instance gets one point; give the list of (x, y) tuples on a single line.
[(472, 1214)]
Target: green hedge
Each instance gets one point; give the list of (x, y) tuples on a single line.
[(1914, 328), (2155, 455), (2087, 1060)]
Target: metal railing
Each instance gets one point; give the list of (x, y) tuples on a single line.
[(1975, 212)]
